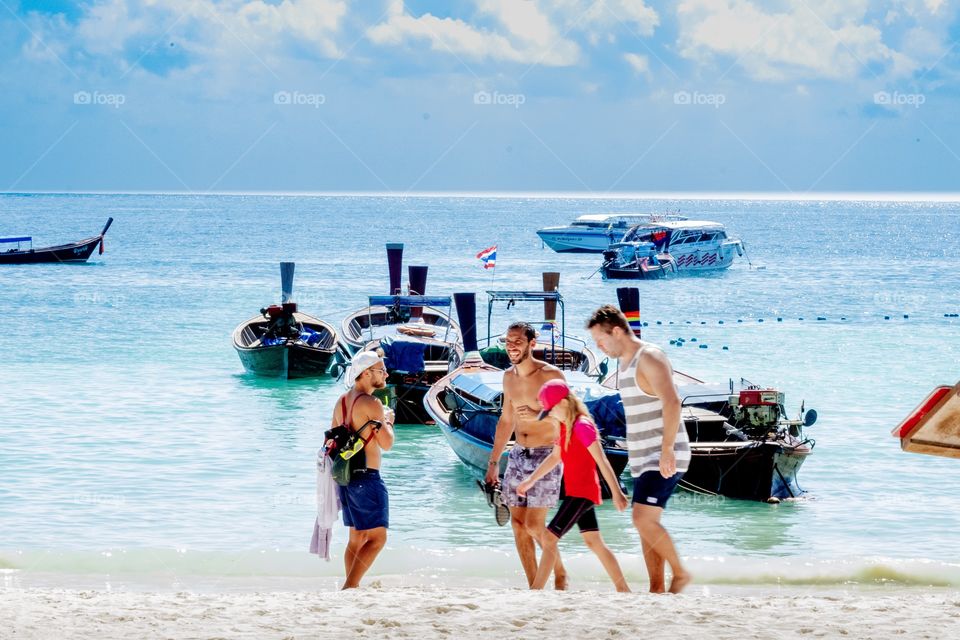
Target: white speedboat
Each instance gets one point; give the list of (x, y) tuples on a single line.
[(693, 246), (594, 232)]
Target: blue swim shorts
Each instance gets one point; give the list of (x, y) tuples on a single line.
[(364, 501)]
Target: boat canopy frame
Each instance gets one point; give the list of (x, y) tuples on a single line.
[(18, 240), (397, 302), (511, 298)]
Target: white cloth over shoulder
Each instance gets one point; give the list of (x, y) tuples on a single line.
[(328, 507)]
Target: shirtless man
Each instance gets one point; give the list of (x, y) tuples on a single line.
[(364, 501), (534, 442)]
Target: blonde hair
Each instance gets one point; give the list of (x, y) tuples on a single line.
[(573, 408)]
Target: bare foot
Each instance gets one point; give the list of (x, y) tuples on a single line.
[(679, 581), (560, 581)]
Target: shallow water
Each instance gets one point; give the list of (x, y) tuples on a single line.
[(128, 426)]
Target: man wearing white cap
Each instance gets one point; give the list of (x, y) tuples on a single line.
[(364, 499)]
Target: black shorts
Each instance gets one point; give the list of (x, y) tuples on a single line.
[(574, 510), (653, 490)]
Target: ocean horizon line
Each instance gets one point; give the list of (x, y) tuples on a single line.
[(759, 196)]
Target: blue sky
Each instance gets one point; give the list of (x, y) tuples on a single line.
[(792, 96)]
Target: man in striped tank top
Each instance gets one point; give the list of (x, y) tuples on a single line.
[(657, 445)]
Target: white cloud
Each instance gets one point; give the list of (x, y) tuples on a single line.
[(639, 64), (528, 35), (812, 38), (207, 29)]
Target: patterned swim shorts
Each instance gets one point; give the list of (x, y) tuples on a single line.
[(520, 464)]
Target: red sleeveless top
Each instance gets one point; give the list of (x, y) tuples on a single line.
[(580, 479)]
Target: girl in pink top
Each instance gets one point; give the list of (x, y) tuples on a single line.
[(579, 449)]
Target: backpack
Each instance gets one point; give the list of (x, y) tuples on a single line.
[(345, 446)]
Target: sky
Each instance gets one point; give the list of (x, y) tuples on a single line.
[(793, 97)]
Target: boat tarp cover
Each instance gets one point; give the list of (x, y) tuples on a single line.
[(607, 412), (403, 355), (486, 386), (20, 239)]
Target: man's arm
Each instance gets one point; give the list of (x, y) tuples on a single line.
[(655, 368), (504, 430), (373, 410), (620, 499)]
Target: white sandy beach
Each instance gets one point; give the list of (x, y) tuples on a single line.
[(421, 612)]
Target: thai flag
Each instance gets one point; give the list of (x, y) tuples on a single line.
[(488, 257)]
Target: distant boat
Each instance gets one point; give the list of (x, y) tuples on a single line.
[(73, 252), (419, 340), (684, 247), (594, 232), (282, 342)]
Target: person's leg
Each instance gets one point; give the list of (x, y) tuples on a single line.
[(374, 541), (646, 519), (655, 567), (354, 544), (526, 548), (535, 522), (595, 543), (590, 530), (549, 558)]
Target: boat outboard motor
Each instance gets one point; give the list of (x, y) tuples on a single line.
[(757, 408), (282, 323)]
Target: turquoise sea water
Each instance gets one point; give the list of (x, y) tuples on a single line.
[(133, 443)]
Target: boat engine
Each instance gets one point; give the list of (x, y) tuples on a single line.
[(282, 323), (756, 407)]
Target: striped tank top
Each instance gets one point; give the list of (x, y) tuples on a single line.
[(644, 416)]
